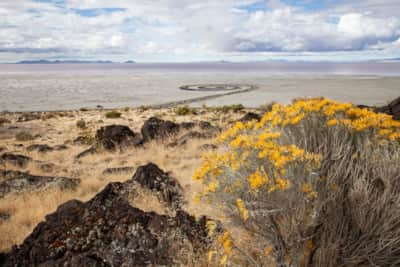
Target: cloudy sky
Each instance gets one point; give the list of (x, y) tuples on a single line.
[(206, 30)]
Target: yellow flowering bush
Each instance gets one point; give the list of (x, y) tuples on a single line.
[(311, 178)]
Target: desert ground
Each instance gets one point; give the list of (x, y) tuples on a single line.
[(22, 211)]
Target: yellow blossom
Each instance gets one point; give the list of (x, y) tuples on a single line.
[(257, 179), (267, 250), (242, 209), (224, 260), (332, 122), (211, 255)]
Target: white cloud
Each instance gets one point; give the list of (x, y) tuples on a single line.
[(152, 28), (288, 29)]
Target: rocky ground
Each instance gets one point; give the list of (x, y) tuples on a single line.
[(78, 188), (86, 188)]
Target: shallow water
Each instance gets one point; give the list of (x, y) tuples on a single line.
[(72, 86)]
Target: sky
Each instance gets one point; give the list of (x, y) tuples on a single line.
[(206, 30)]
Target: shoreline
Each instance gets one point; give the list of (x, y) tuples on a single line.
[(53, 93)]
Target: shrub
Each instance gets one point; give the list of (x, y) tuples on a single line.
[(81, 124), (143, 108), (316, 183), (233, 108), (23, 136), (184, 110), (113, 115), (4, 121)]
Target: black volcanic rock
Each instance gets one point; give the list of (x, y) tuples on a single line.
[(15, 159), (115, 137), (42, 148), (167, 189), (17, 182), (4, 121), (392, 109), (90, 151), (108, 231), (250, 116), (155, 128)]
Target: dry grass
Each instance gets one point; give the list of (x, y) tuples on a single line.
[(28, 209)]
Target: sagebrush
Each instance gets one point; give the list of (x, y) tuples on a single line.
[(316, 183)]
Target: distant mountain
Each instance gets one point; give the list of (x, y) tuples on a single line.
[(43, 61), (129, 62)]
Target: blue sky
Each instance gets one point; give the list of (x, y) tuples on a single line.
[(188, 30)]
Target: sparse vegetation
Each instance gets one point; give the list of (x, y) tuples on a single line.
[(143, 108), (113, 114), (81, 124), (185, 110), (229, 108), (315, 183), (4, 121), (24, 136)]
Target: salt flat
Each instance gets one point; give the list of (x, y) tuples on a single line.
[(59, 87)]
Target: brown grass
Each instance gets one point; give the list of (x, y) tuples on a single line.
[(28, 209)]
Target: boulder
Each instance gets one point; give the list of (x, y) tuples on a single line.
[(41, 148), (155, 128), (4, 121), (108, 231), (17, 182), (166, 188), (250, 116), (117, 137), (392, 109), (15, 159), (90, 151)]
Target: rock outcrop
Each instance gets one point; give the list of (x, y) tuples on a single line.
[(250, 116), (108, 231), (392, 109), (165, 187), (14, 159), (117, 137), (18, 182), (4, 121), (41, 148), (111, 138), (155, 128)]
